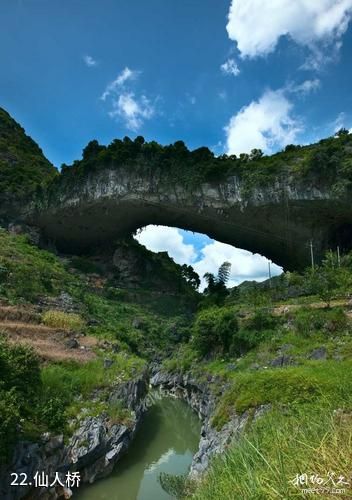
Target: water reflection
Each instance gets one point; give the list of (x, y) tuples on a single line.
[(165, 442)]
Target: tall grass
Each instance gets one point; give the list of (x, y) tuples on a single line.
[(263, 463), (65, 321), (327, 383)]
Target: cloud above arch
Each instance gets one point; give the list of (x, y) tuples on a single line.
[(267, 123)]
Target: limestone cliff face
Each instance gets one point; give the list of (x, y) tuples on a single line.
[(276, 220), (273, 206)]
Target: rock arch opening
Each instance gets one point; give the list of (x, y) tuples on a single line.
[(205, 254)]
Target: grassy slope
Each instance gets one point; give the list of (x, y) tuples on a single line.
[(109, 310), (267, 458), (308, 427)]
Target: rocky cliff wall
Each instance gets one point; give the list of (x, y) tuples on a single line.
[(198, 395), (276, 220), (93, 449)]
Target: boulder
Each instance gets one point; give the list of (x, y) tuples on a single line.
[(319, 353), (71, 343), (281, 361), (108, 363)]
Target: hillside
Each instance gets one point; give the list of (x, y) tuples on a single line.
[(70, 322), (284, 352), (23, 166)]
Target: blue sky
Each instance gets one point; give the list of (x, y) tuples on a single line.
[(231, 75)]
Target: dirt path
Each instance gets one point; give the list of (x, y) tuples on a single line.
[(285, 308)]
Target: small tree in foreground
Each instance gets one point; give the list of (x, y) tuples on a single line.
[(214, 331), (216, 288)]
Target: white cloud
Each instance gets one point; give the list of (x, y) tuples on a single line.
[(257, 25), (222, 95), (132, 109), (89, 61), (125, 104), (167, 239), (125, 75), (230, 67), (306, 87), (339, 122), (264, 124), (244, 265), (114, 87)]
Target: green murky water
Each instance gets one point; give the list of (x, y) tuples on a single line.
[(166, 441)]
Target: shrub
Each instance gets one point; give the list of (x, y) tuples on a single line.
[(249, 339), (19, 370), (336, 320), (261, 320), (329, 278), (214, 330), (52, 411), (176, 486), (65, 321), (19, 386), (10, 417), (309, 321), (85, 265), (118, 414)]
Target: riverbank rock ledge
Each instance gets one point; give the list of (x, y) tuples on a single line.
[(198, 395), (94, 448)]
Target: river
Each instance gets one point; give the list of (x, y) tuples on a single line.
[(166, 441)]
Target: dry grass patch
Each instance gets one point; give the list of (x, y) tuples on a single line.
[(64, 321)]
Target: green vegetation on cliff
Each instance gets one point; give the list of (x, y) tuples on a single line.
[(36, 398), (19, 382), (23, 167), (329, 160), (27, 273)]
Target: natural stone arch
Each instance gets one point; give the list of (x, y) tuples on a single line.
[(277, 220)]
